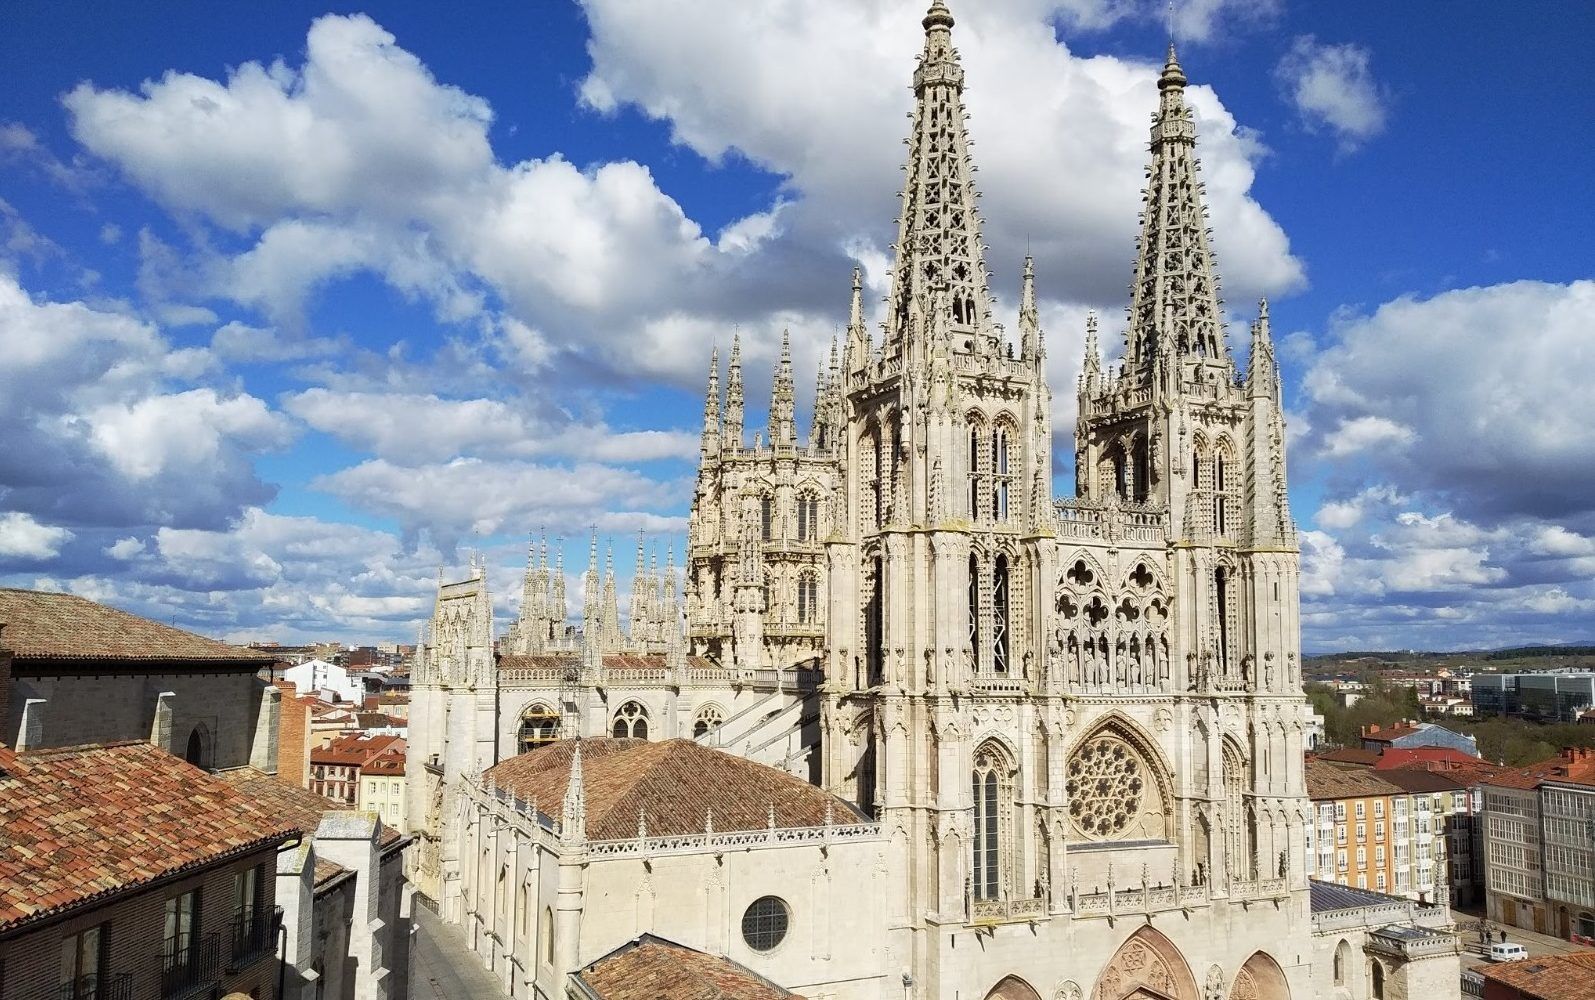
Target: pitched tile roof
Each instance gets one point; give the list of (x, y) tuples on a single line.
[(81, 822), (1576, 764), (300, 806), (355, 750), (1548, 977), (389, 763), (676, 784), (1417, 779), (1350, 755), (41, 625), (651, 968), (1403, 756), (1325, 781)]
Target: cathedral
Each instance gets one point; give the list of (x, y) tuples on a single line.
[(914, 727)]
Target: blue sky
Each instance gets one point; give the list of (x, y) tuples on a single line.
[(300, 302)]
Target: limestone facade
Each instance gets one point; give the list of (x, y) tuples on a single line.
[(1075, 725)]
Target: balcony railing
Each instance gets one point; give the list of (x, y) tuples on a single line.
[(114, 987), (253, 937), (193, 971)]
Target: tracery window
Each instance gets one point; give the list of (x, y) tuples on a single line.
[(1141, 468), (808, 599), (993, 788), (1000, 474), (1106, 784), (630, 722), (766, 517), (875, 622), (972, 471), (539, 725), (974, 610), (808, 517), (999, 615), (707, 720)]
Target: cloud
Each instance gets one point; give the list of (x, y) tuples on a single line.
[(184, 430), (1362, 433), (23, 539), (1332, 87)]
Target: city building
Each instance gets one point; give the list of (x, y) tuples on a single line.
[(1539, 852), (335, 768), (382, 788), (75, 672), (341, 887), (1546, 696), (1408, 735), (1372, 946), (328, 681), (1059, 741), (1355, 838), (127, 873), (1448, 806)]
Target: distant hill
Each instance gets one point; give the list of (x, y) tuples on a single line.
[(1401, 656)]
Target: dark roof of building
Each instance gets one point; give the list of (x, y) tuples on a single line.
[(1350, 755), (42, 625), (677, 785), (1330, 896), (83, 822), (1419, 779), (1325, 781), (1548, 977), (652, 968)]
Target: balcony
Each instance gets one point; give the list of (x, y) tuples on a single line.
[(116, 987), (998, 911), (254, 937), (193, 971)]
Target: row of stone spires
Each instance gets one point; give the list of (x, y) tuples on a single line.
[(723, 421), (541, 626)]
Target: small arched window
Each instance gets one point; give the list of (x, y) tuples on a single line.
[(1378, 976), (1141, 467), (523, 910), (707, 720), (539, 725), (198, 750), (1342, 960), (631, 722), (547, 934)]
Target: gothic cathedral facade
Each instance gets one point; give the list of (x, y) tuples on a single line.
[(1043, 702)]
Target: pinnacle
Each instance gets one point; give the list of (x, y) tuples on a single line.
[(1173, 75), (938, 16)]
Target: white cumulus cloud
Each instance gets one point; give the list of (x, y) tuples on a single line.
[(1333, 87)]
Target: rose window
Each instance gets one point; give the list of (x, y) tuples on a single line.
[(1106, 784)]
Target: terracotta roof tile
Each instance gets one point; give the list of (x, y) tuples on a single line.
[(80, 822), (1549, 977), (651, 968), (674, 783), (44, 625), (1325, 781), (301, 807), (354, 750), (1351, 755)]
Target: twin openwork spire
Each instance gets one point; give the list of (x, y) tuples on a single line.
[(938, 237), (1174, 305)]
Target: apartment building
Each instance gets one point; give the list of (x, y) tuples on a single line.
[(382, 788), (1372, 833), (1444, 835), (1539, 845), (335, 768), (1548, 695)]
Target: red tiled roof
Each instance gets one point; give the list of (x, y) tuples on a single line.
[(1387, 734), (1577, 765), (354, 751), (1402, 756), (390, 763), (81, 822), (651, 968), (299, 806), (676, 784), (42, 625), (1548, 977)]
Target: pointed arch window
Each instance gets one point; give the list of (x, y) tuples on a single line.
[(539, 725), (1141, 468), (1221, 603), (1000, 473), (972, 471), (875, 622), (974, 610), (1220, 500), (808, 517), (707, 721), (993, 794), (766, 517), (808, 599), (631, 722), (999, 615)]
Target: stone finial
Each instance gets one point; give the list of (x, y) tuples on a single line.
[(573, 813)]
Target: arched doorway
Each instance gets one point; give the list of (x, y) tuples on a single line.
[(1146, 967), (1013, 988), (198, 749), (1261, 978)]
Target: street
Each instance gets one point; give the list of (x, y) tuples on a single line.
[(442, 967), (1537, 944)]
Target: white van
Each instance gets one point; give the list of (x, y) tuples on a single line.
[(1506, 952)]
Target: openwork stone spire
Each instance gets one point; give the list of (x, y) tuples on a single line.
[(1174, 305), (938, 237), (711, 408), (731, 438), (783, 403)]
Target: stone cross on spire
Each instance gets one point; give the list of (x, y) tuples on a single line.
[(1174, 305), (938, 237)]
